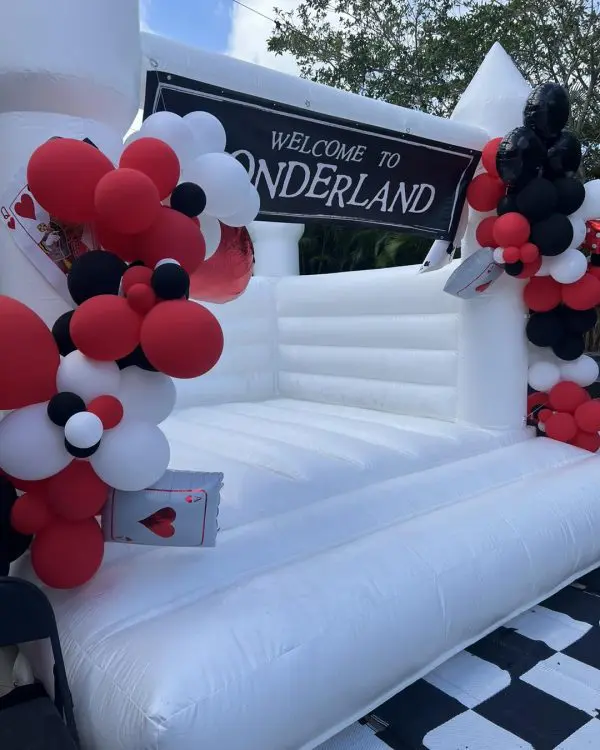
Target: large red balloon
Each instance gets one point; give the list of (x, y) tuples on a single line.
[(126, 201), (488, 156), (30, 513), (63, 174), (29, 354), (485, 232), (561, 427), (484, 192), (157, 160), (119, 244), (587, 416), (172, 235), (67, 554), (76, 493), (105, 328), (583, 294), (182, 339), (587, 441), (511, 229), (567, 396), (542, 294)]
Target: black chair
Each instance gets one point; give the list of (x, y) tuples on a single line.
[(28, 718)]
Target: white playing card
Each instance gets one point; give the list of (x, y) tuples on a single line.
[(180, 510), (474, 275)]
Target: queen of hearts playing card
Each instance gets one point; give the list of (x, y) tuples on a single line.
[(180, 510)]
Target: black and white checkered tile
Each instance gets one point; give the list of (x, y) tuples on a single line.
[(533, 684)]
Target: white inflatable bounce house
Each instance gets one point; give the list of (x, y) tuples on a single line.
[(384, 504)]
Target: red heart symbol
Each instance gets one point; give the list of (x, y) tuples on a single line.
[(161, 522), (482, 287), (189, 499), (11, 223), (25, 207)]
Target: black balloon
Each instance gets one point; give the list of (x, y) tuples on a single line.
[(571, 194), (137, 358), (537, 200), (552, 235), (520, 156), (62, 334), (507, 204), (545, 328), (12, 544), (189, 199), (81, 452), (579, 321), (564, 156), (514, 269), (569, 347), (62, 406), (170, 281), (547, 110), (595, 259), (94, 273)]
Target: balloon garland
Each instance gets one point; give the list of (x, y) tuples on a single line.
[(86, 397), (540, 218)]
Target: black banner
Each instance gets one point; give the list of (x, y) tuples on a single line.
[(312, 167)]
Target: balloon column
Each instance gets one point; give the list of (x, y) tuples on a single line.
[(536, 211), (86, 398)]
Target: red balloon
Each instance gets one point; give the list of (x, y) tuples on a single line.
[(67, 554), (511, 254), (529, 252), (583, 294), (530, 269), (587, 416), (182, 339), (30, 513), (511, 229), (567, 396), (561, 427), (136, 275), (488, 156), (108, 409), (126, 201), (536, 399), (485, 232), (141, 298), (484, 192), (156, 160), (544, 415), (542, 294), (173, 235), (76, 493), (119, 244), (594, 271), (587, 441), (105, 328), (63, 174), (30, 356)]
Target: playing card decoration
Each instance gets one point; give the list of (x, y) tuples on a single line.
[(474, 276), (87, 397), (180, 510)]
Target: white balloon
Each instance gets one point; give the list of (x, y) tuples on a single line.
[(170, 128), (31, 446), (209, 133), (132, 456), (84, 429), (546, 266), (148, 396), (568, 267), (248, 212), (498, 255), (579, 230), (211, 231), (223, 179), (590, 209), (543, 376), (584, 370), (87, 378)]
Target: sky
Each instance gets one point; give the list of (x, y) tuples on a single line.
[(219, 26)]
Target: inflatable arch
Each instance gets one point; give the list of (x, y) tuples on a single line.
[(379, 479)]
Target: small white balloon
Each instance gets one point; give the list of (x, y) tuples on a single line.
[(170, 128), (590, 209), (209, 133), (543, 376), (31, 446), (248, 212), (546, 266), (568, 267), (84, 429), (223, 179), (132, 456), (499, 255), (584, 370), (579, 230), (148, 396), (87, 378), (211, 231)]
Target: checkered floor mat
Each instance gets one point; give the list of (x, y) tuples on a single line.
[(533, 684)]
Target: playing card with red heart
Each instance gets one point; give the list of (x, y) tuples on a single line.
[(180, 510)]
